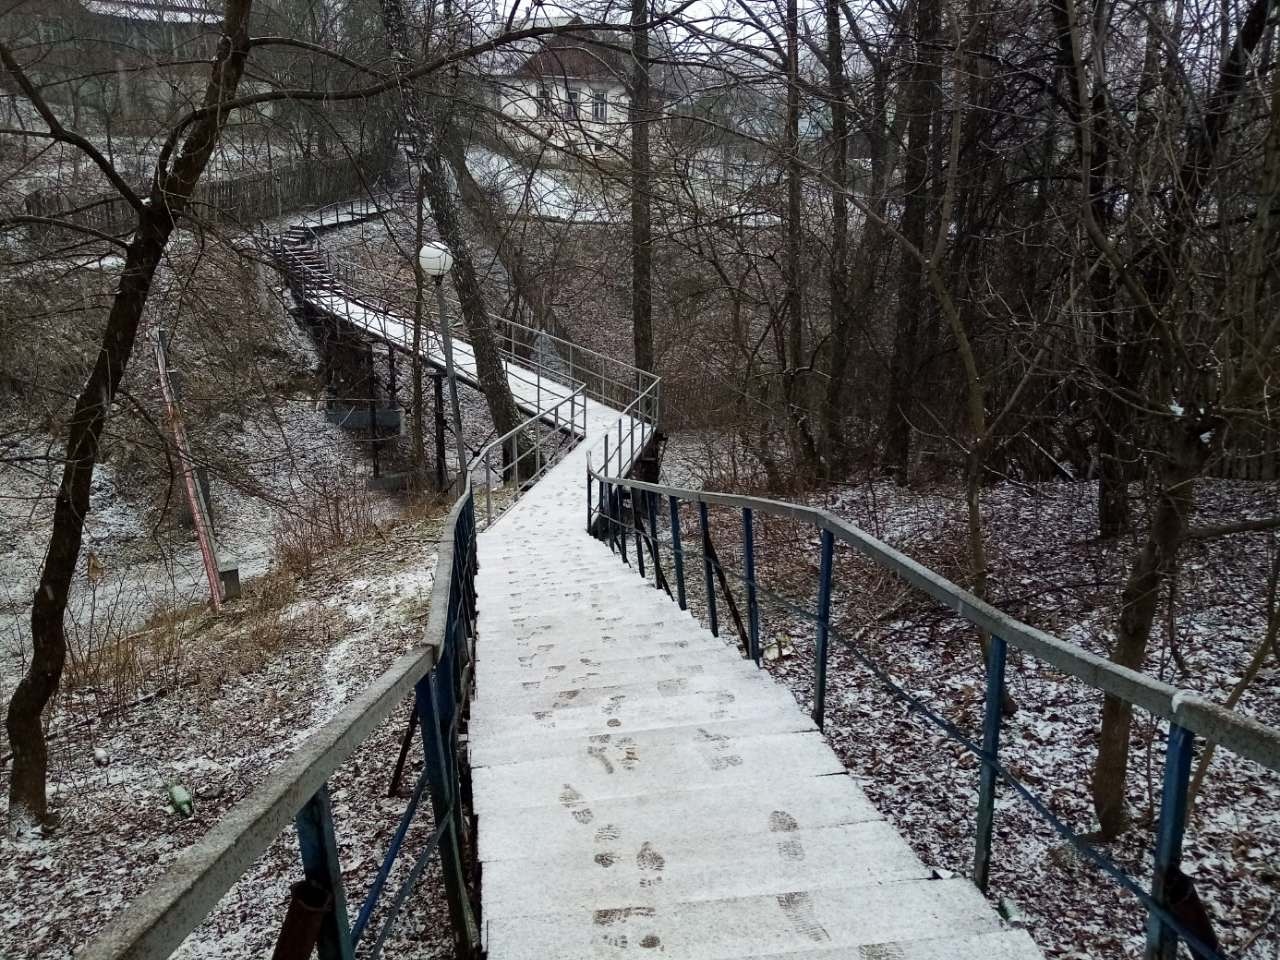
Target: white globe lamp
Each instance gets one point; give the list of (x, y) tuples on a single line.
[(435, 259)]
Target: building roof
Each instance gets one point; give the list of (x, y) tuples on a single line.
[(574, 55)]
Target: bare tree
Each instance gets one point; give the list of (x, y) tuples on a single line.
[(190, 147)]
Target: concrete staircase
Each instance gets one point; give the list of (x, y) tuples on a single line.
[(641, 788)]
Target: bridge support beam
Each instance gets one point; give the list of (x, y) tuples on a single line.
[(677, 552), (749, 569)]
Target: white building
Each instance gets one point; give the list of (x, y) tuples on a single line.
[(569, 94)]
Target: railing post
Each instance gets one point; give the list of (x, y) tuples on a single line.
[(1162, 941), (588, 499), (677, 552), (621, 472), (600, 510), (651, 500), (706, 569), (635, 529), (996, 650), (445, 803), (488, 489), (749, 568), (824, 629), (606, 512), (320, 865), (620, 524)]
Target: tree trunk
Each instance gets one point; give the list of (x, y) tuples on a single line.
[(427, 122), (490, 221), (28, 804), (1187, 457), (924, 92), (489, 369), (419, 294), (833, 442), (641, 185), (1183, 452), (801, 442)]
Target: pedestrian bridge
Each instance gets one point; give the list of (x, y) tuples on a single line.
[(609, 777)]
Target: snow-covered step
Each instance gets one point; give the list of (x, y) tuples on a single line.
[(603, 648), (1005, 945), (694, 762), (656, 871), (542, 832), (535, 632), (607, 748), (621, 713), (596, 674), (588, 671), (736, 686), (844, 918)]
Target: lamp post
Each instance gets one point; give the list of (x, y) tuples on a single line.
[(435, 260)]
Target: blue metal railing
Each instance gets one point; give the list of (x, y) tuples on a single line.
[(438, 675), (620, 505)]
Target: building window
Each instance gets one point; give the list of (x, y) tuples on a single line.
[(600, 106), (574, 96), (542, 107)]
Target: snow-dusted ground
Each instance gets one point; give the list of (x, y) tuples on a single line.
[(257, 682), (545, 192), (144, 569)]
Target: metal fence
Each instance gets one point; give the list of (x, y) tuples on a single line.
[(438, 675), (621, 509), (242, 199)]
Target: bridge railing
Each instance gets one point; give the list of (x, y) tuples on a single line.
[(437, 674), (622, 509), (625, 440), (607, 379), (536, 358)]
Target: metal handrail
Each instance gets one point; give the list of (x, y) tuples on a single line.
[(576, 401), (1244, 736), (1188, 713), (437, 673), (632, 421)]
